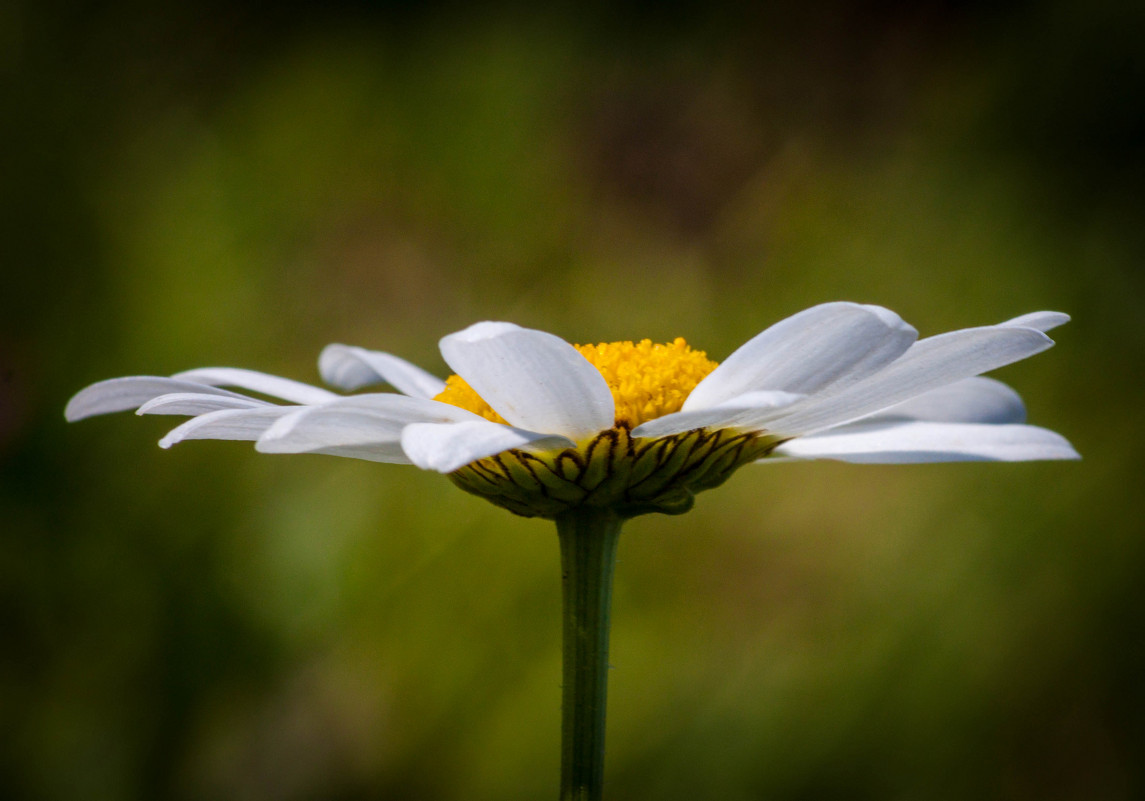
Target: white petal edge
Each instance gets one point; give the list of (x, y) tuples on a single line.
[(315, 428), (385, 452), (971, 400), (750, 410), (929, 364), (361, 422), (130, 392), (348, 368), (402, 408), (235, 424), (444, 447), (830, 345), (195, 403), (1040, 321), (273, 385), (337, 433), (917, 442), (535, 380)]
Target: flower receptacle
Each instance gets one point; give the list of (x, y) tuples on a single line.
[(614, 470)]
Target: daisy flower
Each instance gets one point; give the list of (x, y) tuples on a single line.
[(540, 426), (589, 435)]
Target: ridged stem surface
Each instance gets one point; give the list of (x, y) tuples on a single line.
[(588, 538)]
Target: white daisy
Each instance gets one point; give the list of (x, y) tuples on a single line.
[(540, 426)]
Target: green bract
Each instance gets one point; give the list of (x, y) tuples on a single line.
[(615, 471)]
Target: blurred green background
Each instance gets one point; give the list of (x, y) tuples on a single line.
[(219, 184)]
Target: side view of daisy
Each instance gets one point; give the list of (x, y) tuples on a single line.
[(590, 435), (540, 426)]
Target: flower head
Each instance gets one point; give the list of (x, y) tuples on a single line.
[(540, 426)]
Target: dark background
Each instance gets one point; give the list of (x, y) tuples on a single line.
[(199, 184)]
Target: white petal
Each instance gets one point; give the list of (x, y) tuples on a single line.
[(275, 386), (350, 368), (750, 410), (381, 443), (1041, 321), (194, 403), (535, 380), (386, 452), (367, 423), (444, 447), (907, 443), (393, 409), (929, 364), (971, 400), (245, 424), (317, 429), (120, 394), (831, 345)]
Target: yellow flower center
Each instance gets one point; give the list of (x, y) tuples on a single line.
[(647, 380)]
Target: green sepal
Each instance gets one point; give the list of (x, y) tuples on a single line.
[(614, 472)]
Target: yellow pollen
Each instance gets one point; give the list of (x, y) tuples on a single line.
[(647, 380)]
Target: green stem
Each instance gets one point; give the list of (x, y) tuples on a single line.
[(588, 540)]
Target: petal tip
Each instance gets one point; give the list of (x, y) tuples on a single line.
[(329, 355), (891, 319), (279, 430), (1039, 321), (478, 332), (72, 412), (264, 445)]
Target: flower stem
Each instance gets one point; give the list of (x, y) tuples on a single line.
[(588, 540)]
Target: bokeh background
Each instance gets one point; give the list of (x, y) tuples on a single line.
[(192, 184)]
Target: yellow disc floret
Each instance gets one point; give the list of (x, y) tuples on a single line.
[(647, 380), (457, 392)]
